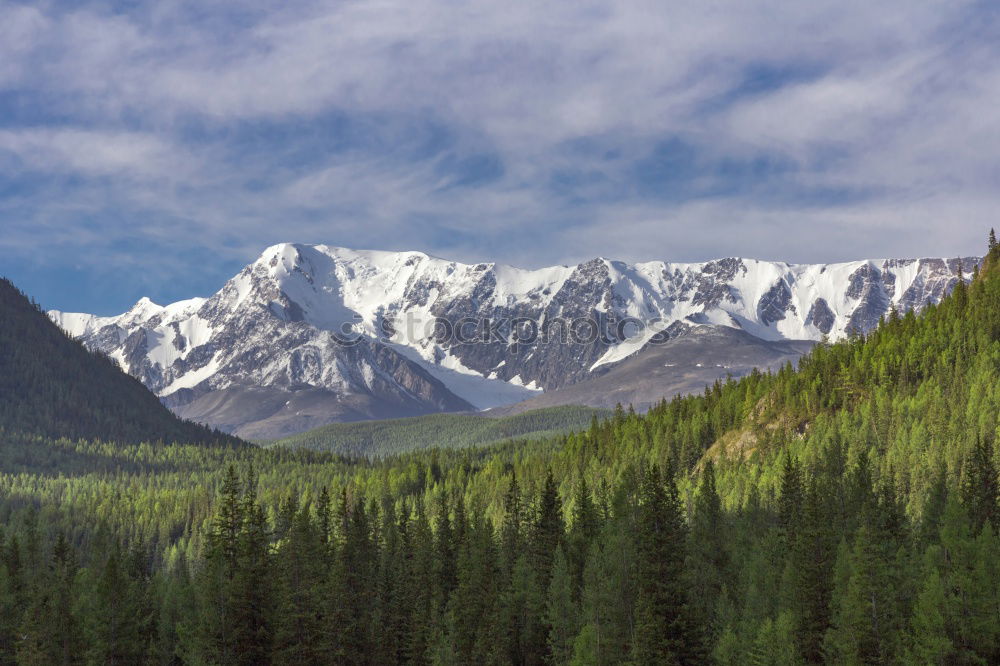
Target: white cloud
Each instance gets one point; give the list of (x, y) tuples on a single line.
[(89, 152), (890, 103)]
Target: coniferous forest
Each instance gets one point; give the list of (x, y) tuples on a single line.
[(841, 512)]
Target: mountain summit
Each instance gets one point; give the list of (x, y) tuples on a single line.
[(310, 334)]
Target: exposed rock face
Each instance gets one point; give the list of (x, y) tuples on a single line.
[(694, 357), (430, 335), (775, 303), (821, 316)]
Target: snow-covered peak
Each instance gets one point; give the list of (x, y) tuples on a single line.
[(277, 322), (333, 287)]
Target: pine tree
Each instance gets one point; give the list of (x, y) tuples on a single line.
[(300, 571), (475, 603), (252, 583), (708, 560), (546, 535), (586, 523), (324, 516), (790, 500), (866, 625), (511, 532), (178, 639), (50, 633), (444, 545), (868, 621), (511, 601), (234, 583), (118, 611), (608, 595), (351, 608), (774, 644), (561, 612), (586, 649), (547, 531), (930, 641), (809, 569), (10, 608), (419, 594), (665, 632), (933, 510), (980, 488)]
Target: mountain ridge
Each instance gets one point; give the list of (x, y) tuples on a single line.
[(280, 323)]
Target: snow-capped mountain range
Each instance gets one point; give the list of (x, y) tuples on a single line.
[(266, 354)]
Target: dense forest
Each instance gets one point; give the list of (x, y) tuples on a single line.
[(445, 431), (842, 512)]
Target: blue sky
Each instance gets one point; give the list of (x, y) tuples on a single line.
[(155, 148)]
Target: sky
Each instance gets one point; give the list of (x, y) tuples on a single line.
[(155, 148)]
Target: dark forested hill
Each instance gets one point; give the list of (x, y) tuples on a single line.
[(52, 386)]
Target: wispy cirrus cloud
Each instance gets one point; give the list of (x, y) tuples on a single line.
[(173, 141)]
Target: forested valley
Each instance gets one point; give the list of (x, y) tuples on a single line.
[(842, 512)]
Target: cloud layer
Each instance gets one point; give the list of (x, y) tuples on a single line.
[(154, 149)]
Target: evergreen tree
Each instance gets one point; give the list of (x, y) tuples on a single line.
[(444, 545), (790, 501), (979, 487), (561, 612), (300, 632), (809, 569), (586, 523), (665, 631), (252, 582), (118, 611), (419, 593), (546, 536), (868, 619), (775, 643), (930, 641), (10, 604), (608, 597), (708, 559), (177, 639), (353, 580), (50, 633), (475, 604)]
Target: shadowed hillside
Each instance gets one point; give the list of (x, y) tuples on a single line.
[(52, 386)]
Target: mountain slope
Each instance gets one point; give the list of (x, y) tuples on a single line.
[(685, 364), (52, 386), (430, 335)]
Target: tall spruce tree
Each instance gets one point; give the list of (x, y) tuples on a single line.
[(980, 487), (708, 556), (665, 630), (300, 631), (561, 613)]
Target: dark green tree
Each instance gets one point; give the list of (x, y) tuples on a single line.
[(665, 629)]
